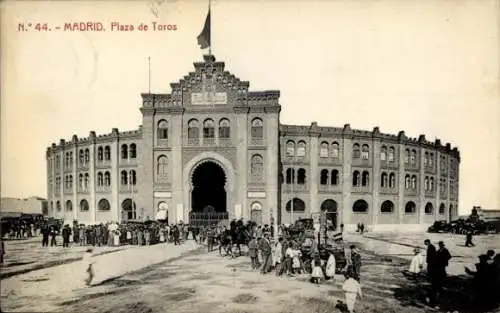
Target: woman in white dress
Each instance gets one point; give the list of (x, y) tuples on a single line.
[(116, 238), (330, 267)]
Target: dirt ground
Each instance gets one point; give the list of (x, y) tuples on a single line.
[(208, 283)]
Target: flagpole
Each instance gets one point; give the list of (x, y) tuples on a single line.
[(210, 12), (149, 74)]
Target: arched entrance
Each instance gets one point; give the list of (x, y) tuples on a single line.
[(329, 206), (208, 194), (129, 210)]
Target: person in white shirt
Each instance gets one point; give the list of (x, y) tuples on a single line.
[(416, 265), (278, 255), (88, 261), (352, 289), (330, 267)]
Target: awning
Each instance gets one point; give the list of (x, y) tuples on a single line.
[(161, 215)]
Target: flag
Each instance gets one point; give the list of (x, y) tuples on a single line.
[(204, 36)]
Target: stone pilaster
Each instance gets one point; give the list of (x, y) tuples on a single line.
[(421, 185), (175, 142), (272, 167), (241, 133), (448, 200), (92, 182), (313, 173), (115, 174), (145, 178), (375, 181), (401, 178), (61, 177), (437, 184), (346, 209), (74, 172)]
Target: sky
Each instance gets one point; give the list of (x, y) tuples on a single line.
[(425, 67)]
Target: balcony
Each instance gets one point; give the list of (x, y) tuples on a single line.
[(389, 165), (411, 166), (430, 193), (257, 142), (411, 192), (225, 142), (208, 142), (162, 142), (361, 162), (295, 188), (193, 141), (128, 189), (103, 189), (360, 189), (329, 188), (388, 190)]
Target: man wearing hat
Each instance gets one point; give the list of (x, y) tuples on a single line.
[(253, 249)]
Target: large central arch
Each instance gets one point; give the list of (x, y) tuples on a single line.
[(188, 178), (208, 188)]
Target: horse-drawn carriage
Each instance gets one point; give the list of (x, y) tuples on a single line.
[(303, 233)]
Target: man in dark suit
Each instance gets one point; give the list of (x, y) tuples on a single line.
[(265, 248), (431, 260)]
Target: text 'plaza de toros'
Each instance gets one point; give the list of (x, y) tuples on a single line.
[(211, 146)]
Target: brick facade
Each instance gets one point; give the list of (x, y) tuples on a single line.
[(210, 116)]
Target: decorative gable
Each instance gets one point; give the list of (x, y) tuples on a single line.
[(210, 86)]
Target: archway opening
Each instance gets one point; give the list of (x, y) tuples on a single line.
[(129, 210), (209, 194), (329, 207)]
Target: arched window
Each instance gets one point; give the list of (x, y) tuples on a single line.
[(133, 179), (69, 206), (290, 176), (100, 154), (334, 153), (129, 209), (107, 179), (301, 149), (429, 209), (384, 180), (87, 156), (441, 208), (323, 151), (365, 152), (360, 206), (107, 153), (80, 181), (58, 206), (407, 156), (407, 182), (410, 207), (162, 168), (413, 157), (387, 207), (365, 179), (335, 177), (392, 180), (323, 180), (329, 206), (356, 152), (86, 181), (162, 129), (124, 178), (208, 128), (383, 153), (257, 130), (297, 204), (124, 151), (133, 151), (356, 179), (256, 167), (100, 179), (426, 158), (414, 182), (70, 181), (104, 205), (426, 183), (431, 159), (193, 129), (301, 176), (431, 184), (84, 205), (224, 129), (290, 148), (391, 154)]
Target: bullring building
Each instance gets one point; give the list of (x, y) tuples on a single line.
[(214, 149)]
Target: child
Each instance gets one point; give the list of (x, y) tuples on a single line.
[(296, 266), (87, 263), (351, 288), (317, 271)]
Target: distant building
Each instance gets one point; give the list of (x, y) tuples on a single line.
[(31, 205), (487, 214), (211, 145)]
